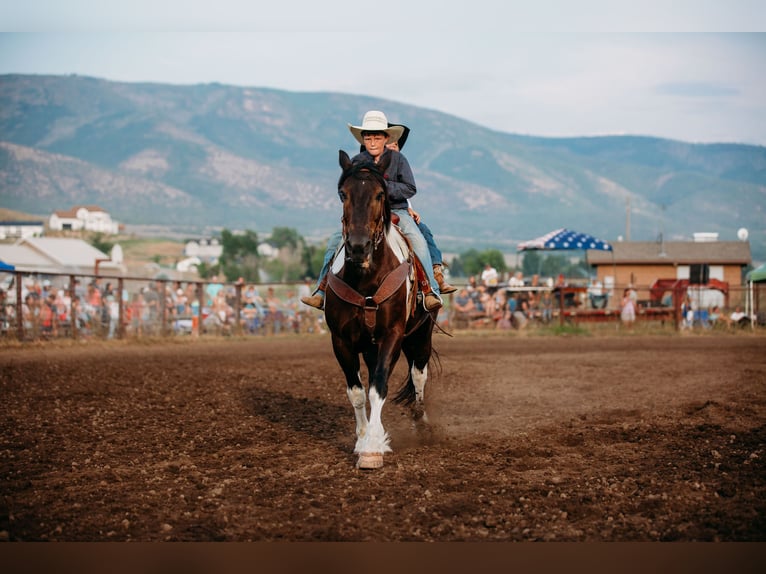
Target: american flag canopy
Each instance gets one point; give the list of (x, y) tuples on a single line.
[(565, 239)]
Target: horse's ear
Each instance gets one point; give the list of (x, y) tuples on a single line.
[(345, 161)]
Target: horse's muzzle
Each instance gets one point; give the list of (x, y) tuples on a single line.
[(359, 252)]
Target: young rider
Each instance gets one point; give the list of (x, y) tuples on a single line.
[(374, 134)]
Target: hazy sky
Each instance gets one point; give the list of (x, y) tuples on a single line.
[(680, 69)]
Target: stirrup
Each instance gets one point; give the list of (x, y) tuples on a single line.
[(435, 301)]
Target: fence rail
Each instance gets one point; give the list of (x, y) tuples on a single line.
[(45, 306), (56, 305)]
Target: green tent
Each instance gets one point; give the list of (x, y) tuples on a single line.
[(758, 274)]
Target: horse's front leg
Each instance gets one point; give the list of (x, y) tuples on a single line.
[(349, 362), (358, 400), (376, 441)]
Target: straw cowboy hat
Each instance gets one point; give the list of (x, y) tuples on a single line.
[(375, 121)]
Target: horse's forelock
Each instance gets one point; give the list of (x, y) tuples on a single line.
[(361, 167)]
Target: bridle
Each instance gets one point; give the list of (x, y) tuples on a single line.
[(368, 171)]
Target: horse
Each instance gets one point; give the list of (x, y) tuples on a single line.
[(372, 307)]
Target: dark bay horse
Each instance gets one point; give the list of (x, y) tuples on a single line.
[(372, 307)]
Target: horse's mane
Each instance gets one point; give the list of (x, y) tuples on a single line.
[(366, 169)]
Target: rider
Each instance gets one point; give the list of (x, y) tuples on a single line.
[(374, 134)]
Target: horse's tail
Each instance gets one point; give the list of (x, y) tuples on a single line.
[(406, 393)]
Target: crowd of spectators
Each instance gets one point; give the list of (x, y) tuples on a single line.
[(91, 308), (487, 302)]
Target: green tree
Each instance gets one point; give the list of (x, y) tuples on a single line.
[(532, 263), (206, 271), (282, 237), (98, 241), (291, 257), (553, 265), (472, 262), (495, 258), (313, 258), (240, 255)]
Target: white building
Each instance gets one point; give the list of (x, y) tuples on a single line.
[(206, 250), (84, 218), (61, 255), (21, 229)]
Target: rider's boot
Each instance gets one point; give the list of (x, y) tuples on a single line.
[(444, 287), (317, 299)]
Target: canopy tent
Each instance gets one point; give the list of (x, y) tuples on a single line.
[(6, 266), (565, 239), (569, 240), (758, 274)]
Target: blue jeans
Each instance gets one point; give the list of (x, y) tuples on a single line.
[(410, 230), (433, 250)]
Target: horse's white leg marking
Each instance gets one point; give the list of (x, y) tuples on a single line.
[(419, 378), (376, 439), (358, 401)]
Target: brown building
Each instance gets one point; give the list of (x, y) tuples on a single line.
[(641, 263)]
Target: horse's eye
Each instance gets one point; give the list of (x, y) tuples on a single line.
[(381, 195), (343, 195)]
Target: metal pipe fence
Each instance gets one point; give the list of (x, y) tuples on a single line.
[(35, 306), (47, 306)]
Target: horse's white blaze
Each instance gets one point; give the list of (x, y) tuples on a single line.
[(376, 438), (358, 401), (419, 378)]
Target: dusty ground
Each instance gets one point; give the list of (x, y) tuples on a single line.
[(632, 438)]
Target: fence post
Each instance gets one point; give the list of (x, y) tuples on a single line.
[(164, 308), (238, 307), (19, 308), (561, 306), (121, 309), (74, 307), (677, 308), (200, 304)]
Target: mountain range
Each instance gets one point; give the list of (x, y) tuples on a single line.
[(196, 158)]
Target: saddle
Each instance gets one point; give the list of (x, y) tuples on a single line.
[(422, 279)]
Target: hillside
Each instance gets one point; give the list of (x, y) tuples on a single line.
[(191, 157)]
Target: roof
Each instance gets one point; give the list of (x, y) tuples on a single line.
[(72, 213), (23, 257), (675, 252), (66, 251)]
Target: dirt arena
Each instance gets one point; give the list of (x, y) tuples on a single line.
[(621, 438)]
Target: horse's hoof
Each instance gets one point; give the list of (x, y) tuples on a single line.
[(369, 460)]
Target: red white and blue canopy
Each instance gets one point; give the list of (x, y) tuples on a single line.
[(565, 239)]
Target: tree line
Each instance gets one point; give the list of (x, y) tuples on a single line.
[(296, 259)]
